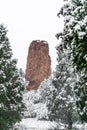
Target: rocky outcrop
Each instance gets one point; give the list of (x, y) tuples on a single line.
[(38, 64)]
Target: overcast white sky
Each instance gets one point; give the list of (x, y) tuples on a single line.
[(28, 20)]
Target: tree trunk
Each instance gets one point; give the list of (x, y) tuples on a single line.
[(70, 120), (70, 126)]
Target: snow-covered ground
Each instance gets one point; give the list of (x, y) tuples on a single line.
[(34, 124)]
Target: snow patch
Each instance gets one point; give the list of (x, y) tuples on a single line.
[(34, 124)]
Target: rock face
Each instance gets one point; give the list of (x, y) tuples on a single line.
[(38, 64)]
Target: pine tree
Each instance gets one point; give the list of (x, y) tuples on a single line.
[(45, 90), (74, 35), (11, 85), (61, 105)]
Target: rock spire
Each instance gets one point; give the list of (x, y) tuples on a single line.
[(38, 65)]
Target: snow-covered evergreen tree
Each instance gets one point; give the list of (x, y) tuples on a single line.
[(45, 90), (36, 101), (11, 85), (61, 105), (75, 36)]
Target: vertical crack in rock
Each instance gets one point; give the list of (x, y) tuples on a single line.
[(38, 64)]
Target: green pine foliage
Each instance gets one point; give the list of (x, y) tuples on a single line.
[(61, 104), (74, 36), (11, 85)]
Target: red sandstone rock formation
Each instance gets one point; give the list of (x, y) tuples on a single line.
[(38, 64)]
